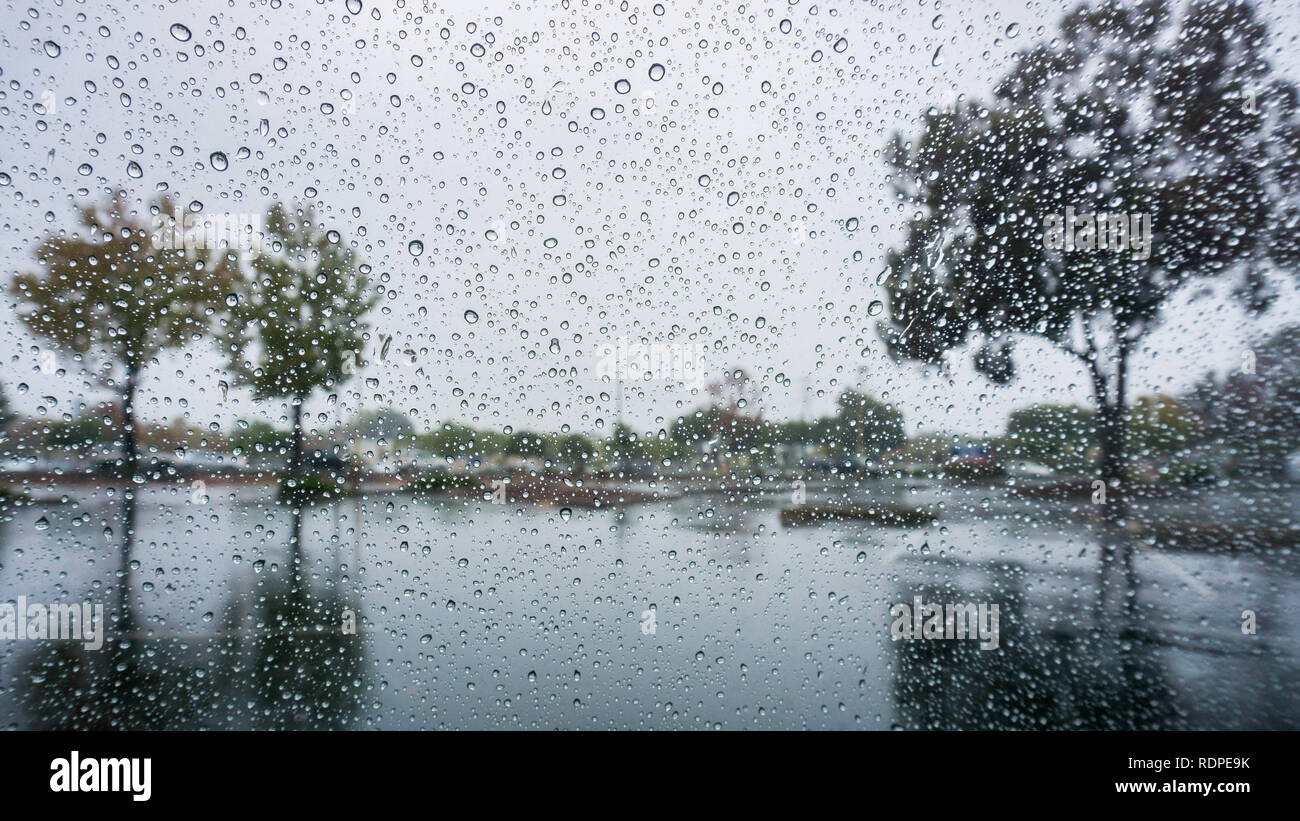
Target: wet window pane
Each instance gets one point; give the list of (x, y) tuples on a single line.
[(893, 365)]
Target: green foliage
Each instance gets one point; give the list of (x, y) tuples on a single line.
[(307, 489), (575, 449), (384, 423), (297, 322), (260, 436), (861, 424), (78, 434), (452, 440), (440, 482), (1159, 426), (1058, 436), (1192, 472), (525, 444), (1134, 110), (1091, 121), (1062, 436), (110, 296)]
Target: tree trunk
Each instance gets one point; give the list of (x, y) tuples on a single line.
[(295, 454), (129, 457), (1115, 467), (125, 613), (1116, 577), (295, 554), (125, 619), (1112, 432)]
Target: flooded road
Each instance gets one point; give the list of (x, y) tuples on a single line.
[(699, 612)]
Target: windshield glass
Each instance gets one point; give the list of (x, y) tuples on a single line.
[(878, 365)]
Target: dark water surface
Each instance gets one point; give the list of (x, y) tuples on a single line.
[(475, 615)]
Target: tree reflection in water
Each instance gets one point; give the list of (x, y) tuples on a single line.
[(280, 661), (1058, 676)]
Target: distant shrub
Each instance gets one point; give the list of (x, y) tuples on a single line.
[(440, 482), (306, 489)]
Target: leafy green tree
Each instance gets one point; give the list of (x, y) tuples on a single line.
[(696, 428), (297, 322), (622, 444), (449, 441), (861, 425), (76, 434), (576, 449), (864, 424), (113, 298), (259, 436), (525, 443), (388, 424), (1055, 435), (1160, 426), (1135, 109)]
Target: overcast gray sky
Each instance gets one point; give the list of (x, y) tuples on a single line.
[(717, 212)]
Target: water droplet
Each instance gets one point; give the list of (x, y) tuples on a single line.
[(657, 72), (415, 247), (471, 317), (180, 32), (219, 161)]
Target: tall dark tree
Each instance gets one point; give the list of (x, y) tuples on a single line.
[(298, 321), (1154, 108), (867, 425), (110, 296)]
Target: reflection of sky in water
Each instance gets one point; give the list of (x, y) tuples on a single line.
[(493, 616)]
